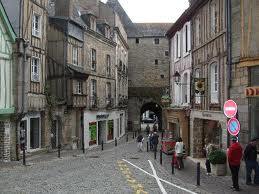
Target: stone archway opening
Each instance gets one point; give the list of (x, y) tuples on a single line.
[(151, 113)]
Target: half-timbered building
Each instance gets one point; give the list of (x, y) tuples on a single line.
[(209, 56)]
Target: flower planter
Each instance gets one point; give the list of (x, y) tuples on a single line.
[(219, 169)]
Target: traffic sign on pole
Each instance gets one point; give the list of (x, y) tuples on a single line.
[(230, 109), (233, 126)]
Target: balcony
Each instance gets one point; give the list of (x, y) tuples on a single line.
[(94, 102), (79, 101), (109, 103)]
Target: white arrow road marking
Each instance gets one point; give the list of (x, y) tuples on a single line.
[(189, 191), (157, 178)]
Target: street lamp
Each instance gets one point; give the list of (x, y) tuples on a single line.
[(177, 77)]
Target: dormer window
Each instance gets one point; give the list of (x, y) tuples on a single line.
[(107, 32), (93, 23)]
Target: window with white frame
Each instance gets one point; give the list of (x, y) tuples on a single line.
[(108, 90), (108, 63), (177, 47), (213, 18), (75, 55), (93, 88), (214, 83), (79, 87), (187, 38), (185, 92), (197, 96), (36, 25), (35, 69), (93, 59), (93, 23)]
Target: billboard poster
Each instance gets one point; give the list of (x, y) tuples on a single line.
[(93, 133), (110, 130)]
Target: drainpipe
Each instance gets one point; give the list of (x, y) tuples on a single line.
[(229, 47), (229, 53)]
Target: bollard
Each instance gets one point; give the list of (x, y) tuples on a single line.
[(155, 153), (147, 146), (127, 138), (161, 156), (83, 147), (198, 173), (59, 147), (23, 156), (115, 141), (162, 136), (102, 144), (133, 135), (172, 163)]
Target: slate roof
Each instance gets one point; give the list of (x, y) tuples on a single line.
[(153, 29), (138, 29)]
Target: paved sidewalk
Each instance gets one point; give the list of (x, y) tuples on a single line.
[(211, 184), (45, 156)]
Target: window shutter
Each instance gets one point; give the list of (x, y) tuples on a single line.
[(179, 45), (175, 47), (184, 39), (189, 36)]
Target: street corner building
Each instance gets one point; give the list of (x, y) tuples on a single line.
[(7, 106)]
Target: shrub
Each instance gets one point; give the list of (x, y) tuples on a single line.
[(217, 157)]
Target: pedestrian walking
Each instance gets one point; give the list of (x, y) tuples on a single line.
[(207, 150), (250, 156), (179, 153), (150, 138), (234, 159), (147, 129), (140, 140), (155, 141)]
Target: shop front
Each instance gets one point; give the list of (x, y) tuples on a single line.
[(207, 125), (178, 125), (102, 127)]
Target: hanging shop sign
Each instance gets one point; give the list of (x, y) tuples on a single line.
[(252, 91)]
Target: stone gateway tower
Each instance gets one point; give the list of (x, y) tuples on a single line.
[(148, 67)]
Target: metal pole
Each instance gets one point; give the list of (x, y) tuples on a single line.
[(161, 156), (115, 142), (147, 146), (198, 173), (102, 144), (155, 153), (133, 135), (59, 147), (127, 138), (172, 163), (23, 156)]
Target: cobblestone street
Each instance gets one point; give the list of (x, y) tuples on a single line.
[(114, 170)]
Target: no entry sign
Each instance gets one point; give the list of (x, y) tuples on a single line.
[(230, 108), (233, 126)]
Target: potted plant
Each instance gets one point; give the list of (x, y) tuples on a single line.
[(74, 142), (218, 160)]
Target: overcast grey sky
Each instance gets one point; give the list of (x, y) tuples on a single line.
[(154, 10)]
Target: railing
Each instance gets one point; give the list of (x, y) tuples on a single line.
[(94, 102), (109, 103)]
